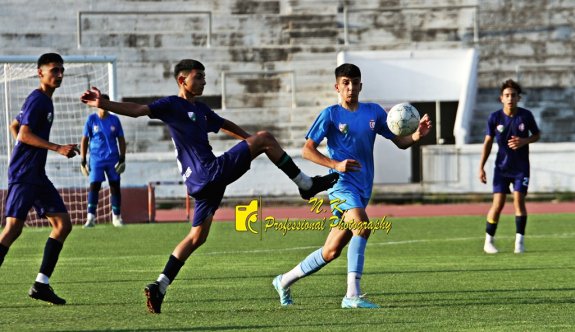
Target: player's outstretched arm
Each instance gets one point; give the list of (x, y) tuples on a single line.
[(25, 135), (93, 98), (404, 142)]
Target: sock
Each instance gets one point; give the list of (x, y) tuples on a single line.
[(43, 279), (51, 253), (518, 239), (286, 164), (312, 263), (355, 260), (520, 223), (172, 268), (291, 276), (164, 283), (92, 201), (491, 227), (116, 203), (3, 252)]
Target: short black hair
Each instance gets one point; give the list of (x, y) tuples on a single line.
[(347, 70), (511, 84), (47, 58), (187, 65), (105, 96)]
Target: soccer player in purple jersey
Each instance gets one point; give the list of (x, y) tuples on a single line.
[(513, 128), (28, 185), (350, 128), (206, 176)]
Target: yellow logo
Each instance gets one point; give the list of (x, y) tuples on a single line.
[(246, 215)]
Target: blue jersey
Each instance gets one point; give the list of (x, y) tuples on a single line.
[(189, 124), (351, 135), (28, 163), (103, 134), (501, 126)]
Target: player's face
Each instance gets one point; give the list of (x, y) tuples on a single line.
[(194, 83), (51, 74), (509, 98), (348, 88)]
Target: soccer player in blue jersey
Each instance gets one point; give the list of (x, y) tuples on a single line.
[(350, 128), (28, 185), (206, 176), (513, 128), (104, 135)]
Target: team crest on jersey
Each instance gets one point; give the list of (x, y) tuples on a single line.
[(50, 117), (192, 116), (343, 128), (95, 128), (521, 127), (112, 128), (372, 124), (500, 128)]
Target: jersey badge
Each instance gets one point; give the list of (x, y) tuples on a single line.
[(521, 127), (95, 128), (500, 128), (372, 124), (343, 128), (192, 116), (50, 117)]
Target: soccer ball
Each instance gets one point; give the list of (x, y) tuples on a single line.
[(403, 119)]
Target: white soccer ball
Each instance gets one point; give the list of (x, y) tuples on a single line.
[(403, 119)]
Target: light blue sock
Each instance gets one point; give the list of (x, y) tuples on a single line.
[(356, 254), (312, 263)]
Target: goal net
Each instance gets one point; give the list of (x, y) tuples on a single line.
[(18, 78)]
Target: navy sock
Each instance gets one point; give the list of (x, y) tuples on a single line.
[(490, 227), (3, 252), (51, 253), (116, 203), (520, 223), (172, 268), (286, 164), (92, 201)]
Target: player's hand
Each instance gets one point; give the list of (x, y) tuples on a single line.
[(120, 166), (482, 176), (92, 97), (68, 150), (425, 125), (84, 168), (348, 165), (515, 142)]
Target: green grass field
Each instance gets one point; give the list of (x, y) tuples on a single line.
[(427, 274)]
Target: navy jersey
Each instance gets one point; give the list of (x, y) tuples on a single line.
[(501, 126), (189, 124), (27, 163), (351, 135), (103, 135)]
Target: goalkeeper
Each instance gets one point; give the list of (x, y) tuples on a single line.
[(104, 135)]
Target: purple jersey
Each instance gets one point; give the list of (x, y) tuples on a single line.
[(189, 124), (27, 164), (501, 126)]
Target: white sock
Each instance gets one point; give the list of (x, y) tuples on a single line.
[(303, 181), (489, 238), (292, 276), (164, 283), (42, 278), (353, 279), (519, 238)]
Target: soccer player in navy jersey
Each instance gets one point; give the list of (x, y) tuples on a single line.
[(206, 176), (28, 185), (104, 136), (513, 128), (350, 128)]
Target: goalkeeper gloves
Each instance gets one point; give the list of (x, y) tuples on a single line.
[(120, 165), (84, 168)]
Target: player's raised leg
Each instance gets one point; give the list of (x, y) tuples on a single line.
[(492, 221), (264, 142)]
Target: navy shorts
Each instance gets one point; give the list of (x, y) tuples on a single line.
[(230, 167), (22, 197), (501, 182), (98, 169)]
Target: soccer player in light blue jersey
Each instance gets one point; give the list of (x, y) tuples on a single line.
[(206, 176), (513, 128), (28, 185), (350, 128), (104, 136)]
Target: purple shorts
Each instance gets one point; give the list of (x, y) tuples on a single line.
[(22, 197), (501, 182), (230, 167)]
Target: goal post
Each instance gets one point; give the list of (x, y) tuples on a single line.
[(18, 78)]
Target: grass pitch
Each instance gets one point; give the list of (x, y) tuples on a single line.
[(427, 274)]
